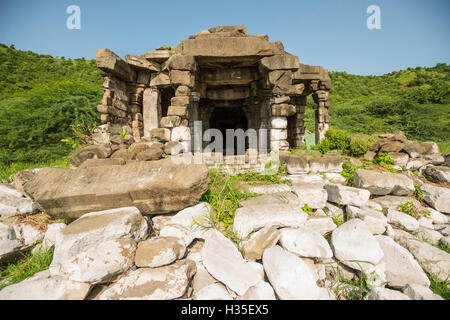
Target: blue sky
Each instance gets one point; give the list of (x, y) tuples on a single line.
[(331, 33)]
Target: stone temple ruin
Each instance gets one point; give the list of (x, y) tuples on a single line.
[(221, 76)]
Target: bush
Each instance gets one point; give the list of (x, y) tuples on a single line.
[(334, 139), (359, 146)]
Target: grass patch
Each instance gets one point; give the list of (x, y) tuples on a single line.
[(25, 267), (439, 287), (6, 171)]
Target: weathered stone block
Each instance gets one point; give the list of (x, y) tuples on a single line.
[(153, 187), (182, 62), (283, 110), (109, 62), (160, 80), (280, 62), (141, 63), (177, 111), (180, 101), (234, 93), (179, 77)]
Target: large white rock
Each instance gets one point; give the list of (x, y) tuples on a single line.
[(215, 291), (354, 241), (436, 197), (100, 263), (401, 267), (430, 258), (385, 294), (259, 241), (12, 202), (9, 243), (164, 283), (93, 228), (344, 195), (261, 291), (383, 183), (312, 194), (402, 220), (289, 276), (53, 229), (189, 224), (323, 225), (305, 243), (157, 252), (265, 188), (437, 216), (44, 287), (224, 262), (253, 218), (419, 292), (429, 235), (375, 220)]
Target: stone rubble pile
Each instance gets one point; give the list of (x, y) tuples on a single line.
[(298, 240)]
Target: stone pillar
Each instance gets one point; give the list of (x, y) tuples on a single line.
[(281, 110), (265, 116), (322, 116), (194, 115), (151, 110), (297, 129)]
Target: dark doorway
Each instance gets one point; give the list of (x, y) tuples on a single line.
[(229, 118), (166, 94)]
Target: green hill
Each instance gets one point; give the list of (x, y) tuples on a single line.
[(41, 97)]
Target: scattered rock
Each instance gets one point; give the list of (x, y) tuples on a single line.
[(431, 259), (289, 275), (383, 183), (429, 235), (436, 197), (12, 202), (344, 195), (215, 291), (94, 228), (374, 220), (227, 264), (354, 241), (312, 194), (42, 287), (164, 283), (322, 225), (402, 220), (265, 238), (157, 252), (96, 151), (253, 218), (261, 291), (438, 174), (305, 243), (419, 292), (401, 267), (286, 197), (100, 263), (385, 294), (437, 217)]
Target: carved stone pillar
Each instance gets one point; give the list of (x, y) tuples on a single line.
[(151, 110)]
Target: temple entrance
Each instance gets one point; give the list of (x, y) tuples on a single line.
[(229, 118)]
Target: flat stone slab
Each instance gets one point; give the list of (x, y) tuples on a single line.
[(383, 183), (253, 218), (152, 186), (164, 283), (225, 263)]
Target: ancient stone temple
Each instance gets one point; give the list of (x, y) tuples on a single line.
[(221, 76)]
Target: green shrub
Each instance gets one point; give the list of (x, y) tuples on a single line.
[(335, 139), (385, 161), (408, 208), (359, 146)]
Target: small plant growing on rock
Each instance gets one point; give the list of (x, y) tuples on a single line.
[(418, 193), (308, 209), (408, 208), (385, 161)]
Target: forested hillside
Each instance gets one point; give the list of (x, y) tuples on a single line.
[(42, 96)]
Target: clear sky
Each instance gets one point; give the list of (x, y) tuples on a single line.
[(331, 33)]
